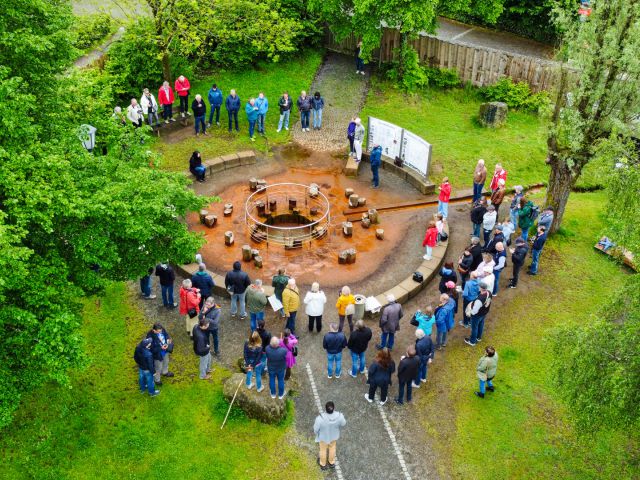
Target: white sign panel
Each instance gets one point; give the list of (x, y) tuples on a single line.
[(416, 153), (385, 134)]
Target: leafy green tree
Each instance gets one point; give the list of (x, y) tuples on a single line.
[(604, 54)]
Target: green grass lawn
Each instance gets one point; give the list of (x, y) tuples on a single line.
[(271, 78), (522, 430), (447, 120), (101, 427)]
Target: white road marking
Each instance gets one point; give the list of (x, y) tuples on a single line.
[(316, 397), (460, 35)]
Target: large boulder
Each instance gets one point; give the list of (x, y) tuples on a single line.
[(493, 114), (255, 405)]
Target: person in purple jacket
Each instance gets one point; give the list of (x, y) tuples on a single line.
[(351, 133)]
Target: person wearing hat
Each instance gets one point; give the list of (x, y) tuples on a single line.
[(488, 222), (375, 158), (498, 195), (498, 236), (500, 257), (144, 359), (478, 310), (518, 254)]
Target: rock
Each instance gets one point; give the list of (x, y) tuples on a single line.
[(366, 223), (353, 200), (253, 184), (246, 253), (210, 220), (362, 201), (262, 208), (262, 185), (342, 258), (228, 238), (380, 234), (347, 229), (348, 192), (259, 406), (493, 114), (257, 261), (373, 216), (203, 214), (351, 255), (255, 253)]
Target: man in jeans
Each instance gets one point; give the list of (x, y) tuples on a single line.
[(304, 106), (334, 342), (327, 429), (263, 107), (145, 285), (161, 348), (232, 104), (215, 100), (167, 277), (256, 301), (536, 249), (236, 282), (479, 310), (144, 359), (357, 344), (200, 113), (285, 111), (390, 322), (201, 347)]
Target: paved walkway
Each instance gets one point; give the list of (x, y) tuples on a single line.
[(344, 94), (98, 52)]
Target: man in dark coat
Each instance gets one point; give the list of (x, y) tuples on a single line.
[(232, 104), (490, 247), (477, 214), (167, 277), (203, 281), (390, 322), (161, 348), (424, 351), (334, 342), (236, 282), (518, 254), (407, 372), (475, 249), (201, 347), (144, 359), (357, 344), (376, 159)]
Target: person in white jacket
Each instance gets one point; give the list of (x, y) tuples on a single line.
[(489, 222), (314, 306), (358, 138), (149, 107), (134, 113)]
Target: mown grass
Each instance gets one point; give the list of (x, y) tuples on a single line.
[(101, 427), (522, 430), (447, 120), (293, 75)]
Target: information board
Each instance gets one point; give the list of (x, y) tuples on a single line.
[(416, 153), (385, 134)]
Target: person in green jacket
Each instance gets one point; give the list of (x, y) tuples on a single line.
[(252, 116), (524, 217), (486, 370), (279, 282), (256, 302)]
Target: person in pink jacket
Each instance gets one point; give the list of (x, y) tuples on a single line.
[(182, 89), (289, 341), (430, 239)]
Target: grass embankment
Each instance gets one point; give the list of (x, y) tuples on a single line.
[(522, 430), (448, 120), (103, 428), (292, 75)]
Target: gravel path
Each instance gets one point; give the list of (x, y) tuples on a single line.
[(344, 94)]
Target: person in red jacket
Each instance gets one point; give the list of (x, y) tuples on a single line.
[(499, 174), (182, 89), (443, 198), (189, 304), (430, 239), (165, 99)]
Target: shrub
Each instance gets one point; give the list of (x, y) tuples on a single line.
[(442, 77), (90, 29), (515, 95)]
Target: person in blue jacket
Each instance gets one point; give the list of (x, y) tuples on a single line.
[(317, 104), (144, 359), (469, 294), (252, 117), (424, 351), (426, 320), (444, 319), (215, 100), (375, 158), (204, 282), (263, 106), (232, 104), (536, 249)]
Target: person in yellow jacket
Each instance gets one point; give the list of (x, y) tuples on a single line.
[(345, 306), (291, 303)]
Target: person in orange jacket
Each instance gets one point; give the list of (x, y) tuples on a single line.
[(430, 239)]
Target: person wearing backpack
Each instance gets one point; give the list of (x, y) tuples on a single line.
[(527, 216), (478, 310), (518, 255)]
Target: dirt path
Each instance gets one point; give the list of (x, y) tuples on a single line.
[(344, 93), (97, 53)]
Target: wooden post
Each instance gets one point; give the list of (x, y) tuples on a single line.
[(203, 214), (246, 253)]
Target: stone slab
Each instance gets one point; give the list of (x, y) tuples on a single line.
[(411, 286), (401, 294), (215, 165), (187, 270), (247, 157), (231, 160), (351, 168)]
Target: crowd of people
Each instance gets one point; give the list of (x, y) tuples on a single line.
[(467, 288)]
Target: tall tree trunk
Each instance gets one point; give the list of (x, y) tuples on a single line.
[(561, 181), (166, 66)]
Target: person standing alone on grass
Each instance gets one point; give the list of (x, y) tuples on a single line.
[(334, 342), (314, 302), (256, 302), (279, 283), (167, 277), (215, 101), (252, 117), (263, 107), (276, 366), (478, 310), (236, 282), (291, 303), (390, 322), (443, 198), (285, 111), (479, 177), (166, 99), (304, 106), (358, 138), (201, 347), (536, 249), (146, 370), (182, 89), (518, 254), (486, 370), (317, 103), (407, 373), (376, 159), (357, 345), (253, 360), (380, 372), (203, 282), (327, 429), (232, 104), (161, 348), (200, 114), (430, 240)]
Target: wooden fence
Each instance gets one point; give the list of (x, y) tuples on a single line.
[(477, 65)]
